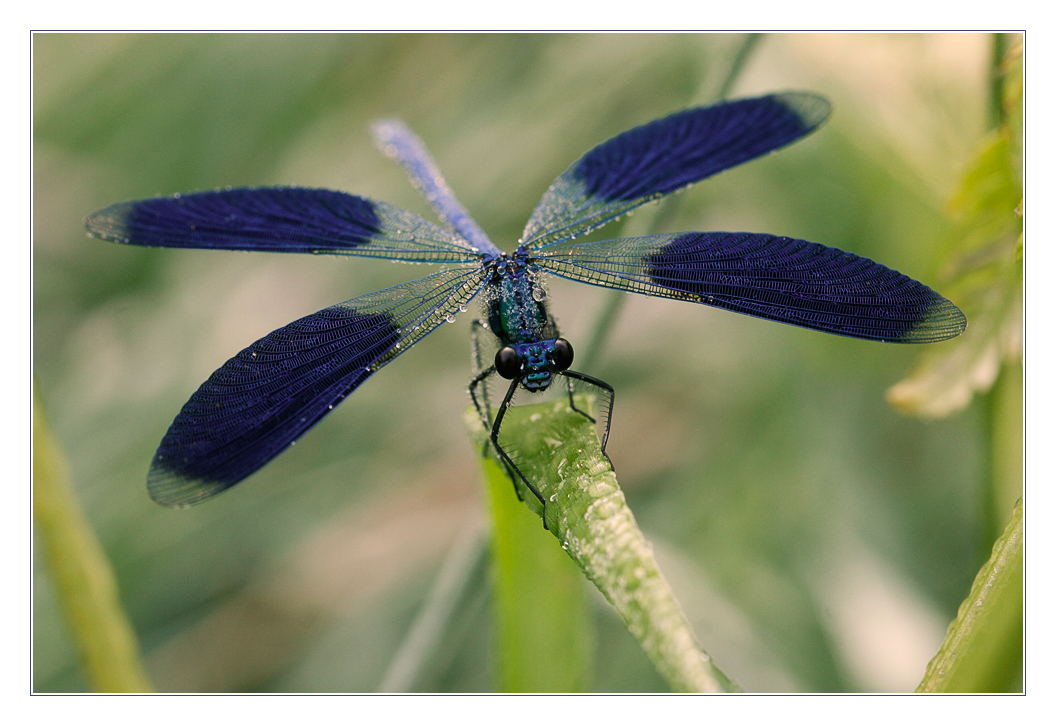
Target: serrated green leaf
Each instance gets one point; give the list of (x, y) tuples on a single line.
[(984, 266), (984, 643), (587, 513)]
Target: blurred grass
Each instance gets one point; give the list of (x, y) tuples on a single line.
[(107, 647), (762, 458)]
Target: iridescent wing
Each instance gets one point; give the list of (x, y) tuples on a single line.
[(665, 155), (397, 141), (280, 219), (259, 402), (778, 278)]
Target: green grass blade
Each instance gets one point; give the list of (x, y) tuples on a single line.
[(544, 631), (84, 581), (984, 644), (751, 42), (587, 513)]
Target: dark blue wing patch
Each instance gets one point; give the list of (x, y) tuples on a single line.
[(778, 278), (665, 155), (270, 394), (263, 399), (279, 219), (669, 153), (804, 283)]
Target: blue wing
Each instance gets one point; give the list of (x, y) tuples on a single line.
[(280, 219), (778, 278), (399, 142), (660, 157), (267, 396)]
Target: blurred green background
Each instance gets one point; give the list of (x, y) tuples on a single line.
[(818, 540)]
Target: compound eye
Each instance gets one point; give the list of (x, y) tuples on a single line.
[(562, 355), (507, 363)]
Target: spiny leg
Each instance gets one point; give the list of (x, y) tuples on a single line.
[(481, 375), (481, 403), (484, 411), (511, 467), (475, 328), (480, 372), (572, 402), (604, 388)]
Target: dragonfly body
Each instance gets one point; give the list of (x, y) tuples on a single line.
[(259, 402), (531, 355), (516, 310)]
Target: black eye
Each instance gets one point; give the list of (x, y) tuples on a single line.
[(507, 363), (562, 355)]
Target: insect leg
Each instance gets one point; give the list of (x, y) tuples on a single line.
[(481, 402), (480, 372), (510, 466), (572, 401), (605, 390), (475, 328)]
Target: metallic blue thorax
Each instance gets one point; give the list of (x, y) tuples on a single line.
[(516, 311)]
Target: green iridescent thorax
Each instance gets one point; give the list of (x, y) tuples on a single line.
[(516, 310)]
